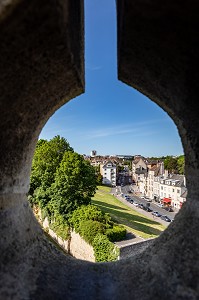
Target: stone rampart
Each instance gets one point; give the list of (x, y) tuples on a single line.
[(134, 248)]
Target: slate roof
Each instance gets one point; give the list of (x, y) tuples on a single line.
[(184, 194)]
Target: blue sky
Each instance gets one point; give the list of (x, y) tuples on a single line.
[(111, 117)]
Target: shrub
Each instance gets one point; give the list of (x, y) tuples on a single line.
[(89, 229), (117, 233), (86, 213), (104, 250)]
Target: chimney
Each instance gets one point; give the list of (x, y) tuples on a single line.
[(184, 181), (166, 173)]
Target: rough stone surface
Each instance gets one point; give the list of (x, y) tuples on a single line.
[(41, 68), (131, 249), (41, 61)]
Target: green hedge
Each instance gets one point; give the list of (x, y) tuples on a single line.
[(97, 228), (86, 213), (104, 250), (117, 233), (89, 229)]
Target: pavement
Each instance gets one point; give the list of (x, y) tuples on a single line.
[(143, 212)]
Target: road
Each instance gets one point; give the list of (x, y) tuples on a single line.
[(125, 190)]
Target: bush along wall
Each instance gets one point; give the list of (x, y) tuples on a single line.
[(97, 228), (104, 250), (94, 226)]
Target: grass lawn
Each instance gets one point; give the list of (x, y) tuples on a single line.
[(132, 220)]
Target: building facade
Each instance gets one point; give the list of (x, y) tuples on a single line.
[(109, 173)]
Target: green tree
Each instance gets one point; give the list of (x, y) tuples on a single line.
[(181, 164), (170, 164), (47, 158), (99, 177), (74, 184), (120, 168)]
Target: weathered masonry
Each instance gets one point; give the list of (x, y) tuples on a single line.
[(41, 68)]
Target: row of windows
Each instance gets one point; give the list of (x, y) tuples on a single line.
[(173, 190)]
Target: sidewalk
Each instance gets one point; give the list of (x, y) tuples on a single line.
[(141, 211)]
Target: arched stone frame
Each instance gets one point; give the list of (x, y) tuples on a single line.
[(41, 67)]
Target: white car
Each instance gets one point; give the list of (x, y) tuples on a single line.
[(135, 203), (148, 200)]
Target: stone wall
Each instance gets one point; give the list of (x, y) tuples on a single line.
[(133, 248), (64, 244), (76, 246), (81, 249)]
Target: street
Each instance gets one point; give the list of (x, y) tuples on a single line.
[(118, 190)]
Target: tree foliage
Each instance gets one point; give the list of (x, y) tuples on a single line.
[(89, 213), (47, 157), (117, 233), (89, 229), (82, 219), (98, 175), (174, 164), (74, 184), (181, 164), (104, 250), (61, 180)]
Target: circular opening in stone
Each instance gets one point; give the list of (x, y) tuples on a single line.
[(138, 151)]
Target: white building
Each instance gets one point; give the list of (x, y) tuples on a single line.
[(109, 173), (172, 190)]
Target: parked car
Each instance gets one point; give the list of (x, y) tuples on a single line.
[(165, 218), (168, 208), (156, 213), (135, 203), (142, 197), (131, 201), (147, 208), (148, 200), (140, 205), (160, 205)]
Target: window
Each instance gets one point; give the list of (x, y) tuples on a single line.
[(178, 191)]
